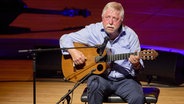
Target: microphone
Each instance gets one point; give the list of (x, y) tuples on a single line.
[(102, 47)]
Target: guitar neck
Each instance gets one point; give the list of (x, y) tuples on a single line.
[(119, 56)]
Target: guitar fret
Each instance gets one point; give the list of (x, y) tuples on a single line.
[(118, 56), (109, 58), (144, 55)]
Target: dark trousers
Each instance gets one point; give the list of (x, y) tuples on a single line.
[(128, 89)]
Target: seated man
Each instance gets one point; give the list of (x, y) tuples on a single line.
[(120, 78)]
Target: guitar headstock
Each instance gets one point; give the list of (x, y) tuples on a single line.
[(148, 54)]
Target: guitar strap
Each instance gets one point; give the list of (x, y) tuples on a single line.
[(119, 69)]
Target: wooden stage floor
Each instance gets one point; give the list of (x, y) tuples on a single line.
[(50, 91)]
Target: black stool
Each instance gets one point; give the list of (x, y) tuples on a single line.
[(151, 96)]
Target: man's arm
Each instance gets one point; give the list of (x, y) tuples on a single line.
[(77, 56)]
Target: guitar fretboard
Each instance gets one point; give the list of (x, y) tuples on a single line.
[(119, 56)]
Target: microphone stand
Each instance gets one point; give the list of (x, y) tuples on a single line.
[(34, 54), (67, 95)]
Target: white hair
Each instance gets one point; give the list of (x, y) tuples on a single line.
[(114, 5)]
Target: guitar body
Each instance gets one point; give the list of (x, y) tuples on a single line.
[(75, 73)]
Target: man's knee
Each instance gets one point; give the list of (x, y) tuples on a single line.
[(93, 83)]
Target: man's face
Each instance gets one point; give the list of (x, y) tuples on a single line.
[(111, 21)]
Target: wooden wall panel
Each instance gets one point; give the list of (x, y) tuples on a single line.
[(16, 70)]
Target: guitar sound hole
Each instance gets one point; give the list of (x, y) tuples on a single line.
[(100, 67)]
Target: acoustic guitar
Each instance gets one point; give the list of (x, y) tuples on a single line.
[(95, 63)]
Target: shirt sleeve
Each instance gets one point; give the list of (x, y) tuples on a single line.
[(135, 45), (90, 35)]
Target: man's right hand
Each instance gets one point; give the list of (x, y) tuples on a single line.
[(77, 56)]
